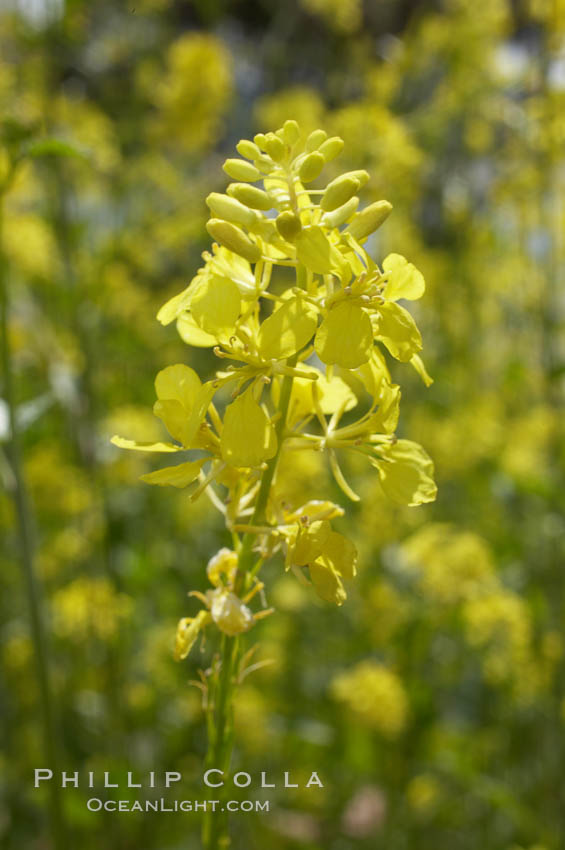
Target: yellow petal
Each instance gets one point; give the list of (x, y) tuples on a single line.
[(406, 473), (188, 630), (314, 510), (287, 330), (122, 443), (404, 279), (177, 382), (177, 476), (345, 337), (341, 553), (327, 582), (420, 368), (190, 333), (216, 306), (174, 417), (310, 542), (398, 331), (314, 250), (248, 437)]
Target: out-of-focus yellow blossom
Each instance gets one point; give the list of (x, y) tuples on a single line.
[(500, 625), (55, 483), (29, 245), (451, 565), (90, 607), (527, 451), (342, 15), (193, 93), (375, 695), (423, 793), (300, 103)]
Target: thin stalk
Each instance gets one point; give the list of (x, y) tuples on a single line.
[(27, 548), (215, 834)]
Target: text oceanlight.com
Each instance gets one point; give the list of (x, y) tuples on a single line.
[(162, 805)]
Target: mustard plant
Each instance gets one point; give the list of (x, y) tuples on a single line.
[(301, 316)]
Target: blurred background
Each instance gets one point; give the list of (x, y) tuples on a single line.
[(433, 703)]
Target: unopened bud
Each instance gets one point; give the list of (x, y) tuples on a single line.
[(315, 139), (230, 209), (247, 149), (239, 169), (288, 225), (361, 175), (331, 148), (338, 217), (311, 166), (369, 220), (260, 140), (233, 238), (275, 147), (291, 132), (338, 192), (251, 196)]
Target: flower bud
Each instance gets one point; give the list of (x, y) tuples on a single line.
[(288, 225), (338, 217), (247, 149), (311, 166), (251, 196), (222, 206), (238, 169), (275, 147), (260, 140), (331, 148), (361, 175), (233, 238), (291, 132), (338, 192), (315, 139), (369, 220)]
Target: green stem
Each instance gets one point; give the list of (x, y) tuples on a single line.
[(215, 833), (27, 548)]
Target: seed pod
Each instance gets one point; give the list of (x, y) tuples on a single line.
[(239, 169), (338, 192), (251, 196), (233, 238), (275, 147), (369, 219), (331, 148), (338, 217), (315, 139), (288, 225), (247, 149), (291, 132), (222, 206), (311, 167)]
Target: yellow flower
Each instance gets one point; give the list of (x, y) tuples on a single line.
[(188, 630), (406, 473), (375, 695)]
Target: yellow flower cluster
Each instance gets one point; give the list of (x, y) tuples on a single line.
[(89, 607), (302, 360), (375, 695)]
